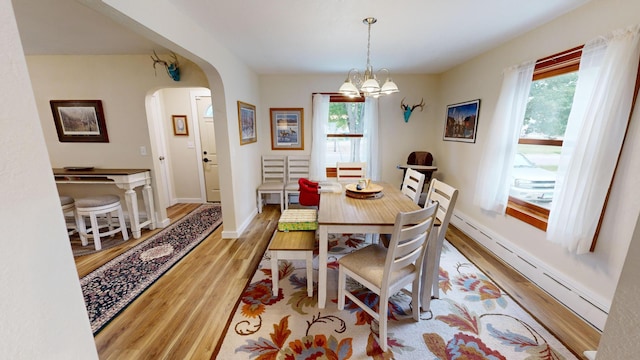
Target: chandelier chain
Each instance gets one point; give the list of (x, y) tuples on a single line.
[(369, 46)]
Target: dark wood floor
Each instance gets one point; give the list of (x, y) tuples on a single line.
[(184, 314)]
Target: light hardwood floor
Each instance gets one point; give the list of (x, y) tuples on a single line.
[(184, 314)]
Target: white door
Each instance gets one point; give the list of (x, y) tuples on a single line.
[(208, 142)]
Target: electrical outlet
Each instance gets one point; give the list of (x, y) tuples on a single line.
[(143, 150)]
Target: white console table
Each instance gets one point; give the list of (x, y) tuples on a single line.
[(125, 179)]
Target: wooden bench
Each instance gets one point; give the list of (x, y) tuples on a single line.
[(292, 245)]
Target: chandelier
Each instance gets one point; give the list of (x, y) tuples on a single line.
[(367, 81)]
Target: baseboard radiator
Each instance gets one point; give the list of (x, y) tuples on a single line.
[(564, 291)]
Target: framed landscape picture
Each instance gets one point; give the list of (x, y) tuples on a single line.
[(287, 128), (461, 123), (79, 120), (247, 123)]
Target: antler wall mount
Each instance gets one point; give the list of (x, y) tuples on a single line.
[(408, 109), (172, 67)]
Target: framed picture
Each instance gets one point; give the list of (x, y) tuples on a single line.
[(287, 128), (79, 120), (247, 123), (462, 121), (180, 126)]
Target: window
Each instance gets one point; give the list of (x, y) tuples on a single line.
[(550, 99), (344, 132)]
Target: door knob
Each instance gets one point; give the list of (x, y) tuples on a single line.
[(205, 160)]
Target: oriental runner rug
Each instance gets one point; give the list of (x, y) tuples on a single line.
[(112, 287), (472, 319)]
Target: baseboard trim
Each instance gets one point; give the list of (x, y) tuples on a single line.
[(569, 294), (189, 200), (236, 234)]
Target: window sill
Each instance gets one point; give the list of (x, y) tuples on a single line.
[(532, 215)]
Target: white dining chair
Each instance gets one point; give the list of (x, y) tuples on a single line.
[(446, 196), (273, 179), (387, 271), (297, 167), (350, 171), (412, 184)]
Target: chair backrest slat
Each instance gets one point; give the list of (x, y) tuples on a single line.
[(273, 168), (347, 171), (446, 196), (297, 167), (408, 240), (412, 184)]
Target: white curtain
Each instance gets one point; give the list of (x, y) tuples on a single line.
[(318, 172), (496, 162), (594, 136), (371, 151)]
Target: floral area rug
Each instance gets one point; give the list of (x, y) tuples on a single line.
[(111, 287), (473, 319)]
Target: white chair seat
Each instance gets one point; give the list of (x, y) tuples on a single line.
[(271, 186), (66, 200), (99, 205), (370, 264)]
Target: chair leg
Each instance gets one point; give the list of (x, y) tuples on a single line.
[(281, 202), (415, 298), (274, 272), (383, 307), (309, 264), (95, 230), (82, 230), (259, 202), (436, 268), (110, 221), (341, 287), (123, 225)]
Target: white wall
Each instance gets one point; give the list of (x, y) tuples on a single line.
[(398, 139), (596, 274), (122, 82), (621, 338), (42, 312), (229, 80)]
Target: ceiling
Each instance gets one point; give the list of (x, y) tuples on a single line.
[(305, 36)]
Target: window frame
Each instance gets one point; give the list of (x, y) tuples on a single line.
[(546, 67), (332, 172), (561, 63)]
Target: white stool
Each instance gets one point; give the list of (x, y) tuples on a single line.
[(292, 245), (69, 208), (99, 205)]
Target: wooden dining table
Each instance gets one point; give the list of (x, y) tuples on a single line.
[(339, 213)]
